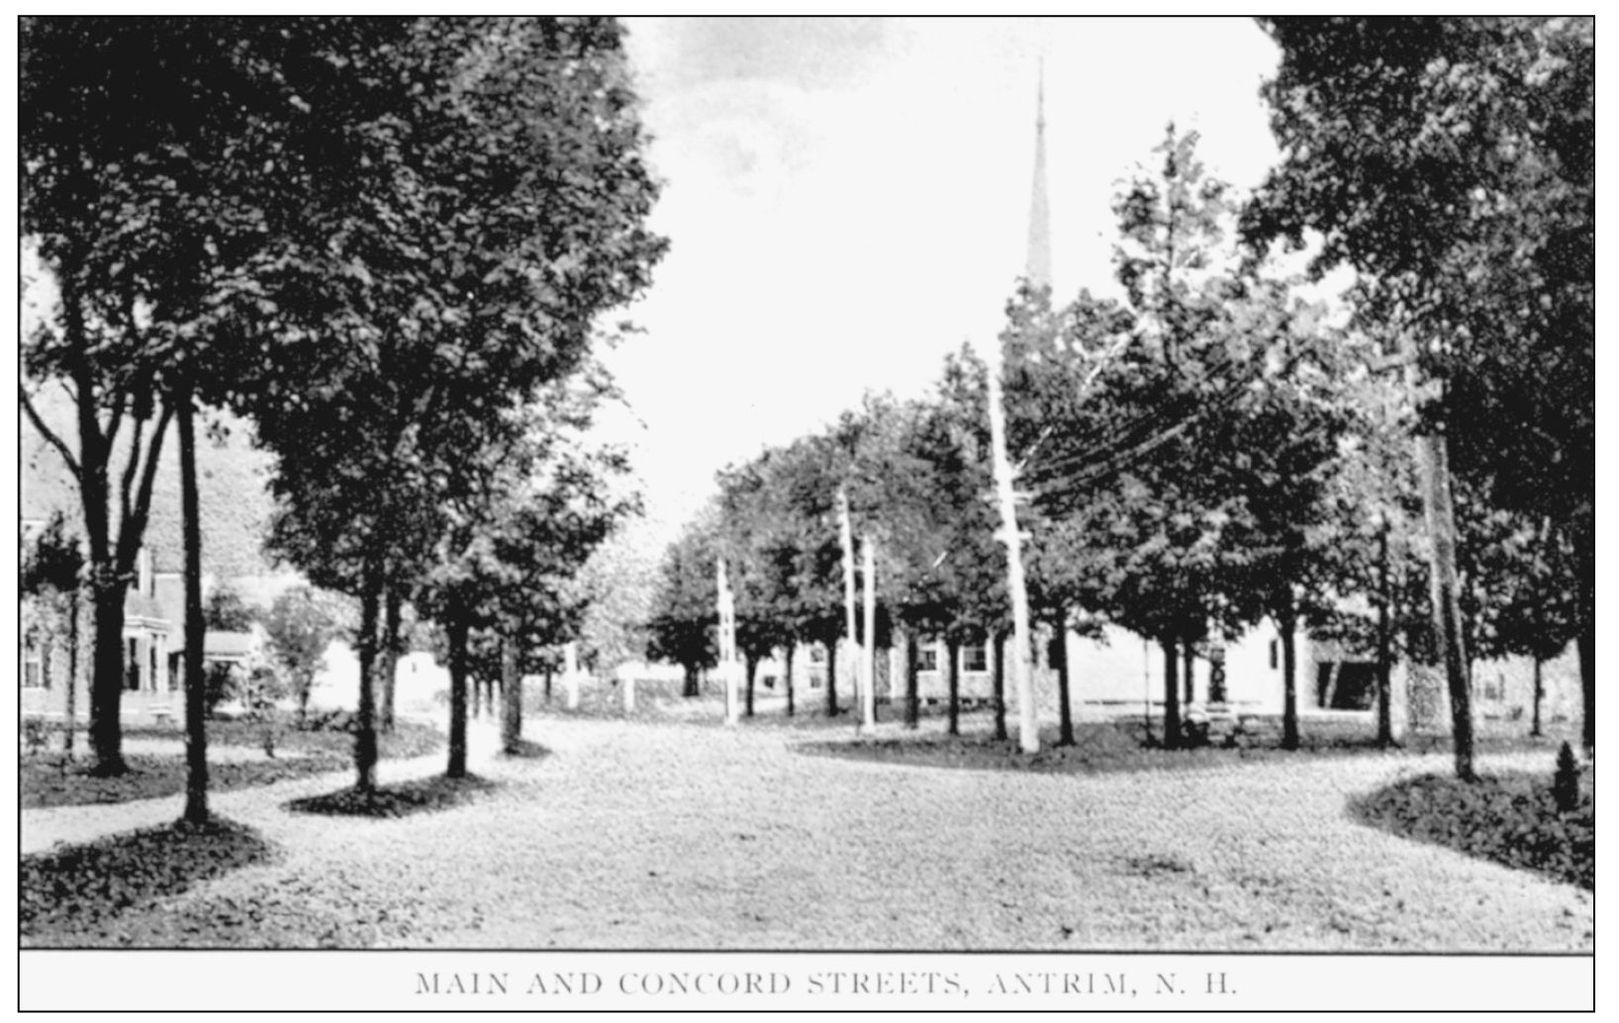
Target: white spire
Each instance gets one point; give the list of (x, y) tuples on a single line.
[(1037, 267)]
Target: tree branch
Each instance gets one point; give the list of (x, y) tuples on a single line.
[(46, 432), (129, 471), (134, 528)]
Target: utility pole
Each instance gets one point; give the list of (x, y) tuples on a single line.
[(868, 660), (1006, 499), (570, 673), (1038, 271), (846, 537)]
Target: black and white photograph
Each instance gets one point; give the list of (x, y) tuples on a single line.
[(573, 512)]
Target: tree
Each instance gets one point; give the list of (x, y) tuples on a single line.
[(684, 609), (512, 547), (151, 203), (1137, 472), (301, 624), (479, 277), (1451, 163), (969, 602), (51, 573), (227, 611), (618, 581), (1054, 360), (1284, 437)]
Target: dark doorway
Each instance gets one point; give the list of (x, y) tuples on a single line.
[(1346, 685)]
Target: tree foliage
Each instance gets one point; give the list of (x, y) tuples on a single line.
[(1450, 161)]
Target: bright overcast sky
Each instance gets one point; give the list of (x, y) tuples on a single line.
[(847, 200)]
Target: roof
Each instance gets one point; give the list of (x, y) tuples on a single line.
[(233, 490), (139, 605), (170, 593), (229, 645)]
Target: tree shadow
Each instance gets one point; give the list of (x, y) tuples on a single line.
[(525, 750), (423, 795), (78, 890)]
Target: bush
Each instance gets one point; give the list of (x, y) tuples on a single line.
[(222, 683), (1512, 820), (329, 721), (259, 698)]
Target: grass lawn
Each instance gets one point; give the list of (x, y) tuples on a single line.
[(680, 836), (237, 761), (1123, 746)]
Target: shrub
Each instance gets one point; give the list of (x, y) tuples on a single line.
[(35, 733), (328, 721), (1512, 819), (259, 696), (222, 683)]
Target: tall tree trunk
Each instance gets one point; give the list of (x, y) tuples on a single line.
[(511, 690), (1188, 675), (1540, 692), (305, 684), (390, 656), (751, 663), (1586, 642), (1385, 642), (1588, 655), (953, 648), (365, 724), (456, 628), (196, 806), (1000, 686), (107, 580), (1441, 515), (72, 670), (1172, 695), (689, 690), (549, 671), (1287, 624), (107, 677), (832, 678), (1065, 700), (792, 648), (913, 689)]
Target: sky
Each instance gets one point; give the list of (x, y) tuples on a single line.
[(847, 200)]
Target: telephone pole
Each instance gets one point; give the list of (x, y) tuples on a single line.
[(1038, 272), (846, 538), (868, 659)]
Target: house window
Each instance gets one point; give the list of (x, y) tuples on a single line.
[(34, 672), (817, 654), (975, 657), (927, 656), (1274, 650)]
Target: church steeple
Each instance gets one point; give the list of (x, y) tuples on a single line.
[(1037, 267)]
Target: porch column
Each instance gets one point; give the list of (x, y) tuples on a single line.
[(160, 681)]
